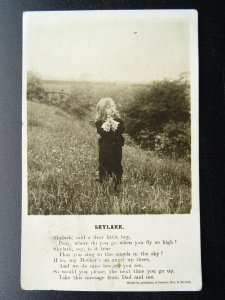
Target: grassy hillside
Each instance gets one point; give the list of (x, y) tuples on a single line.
[(62, 172)]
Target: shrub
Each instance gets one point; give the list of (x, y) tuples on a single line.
[(35, 89), (175, 141), (159, 117), (79, 101)]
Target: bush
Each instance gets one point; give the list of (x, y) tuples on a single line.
[(159, 117), (175, 141), (79, 102), (35, 89)]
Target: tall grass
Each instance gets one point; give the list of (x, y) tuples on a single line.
[(62, 172)]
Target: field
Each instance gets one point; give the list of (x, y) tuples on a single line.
[(63, 164)]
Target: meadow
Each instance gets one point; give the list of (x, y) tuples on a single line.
[(63, 165)]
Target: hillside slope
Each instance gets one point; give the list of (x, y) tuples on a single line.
[(62, 172)]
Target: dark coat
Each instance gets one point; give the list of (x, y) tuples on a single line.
[(110, 138), (110, 150)]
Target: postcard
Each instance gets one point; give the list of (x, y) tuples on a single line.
[(110, 175)]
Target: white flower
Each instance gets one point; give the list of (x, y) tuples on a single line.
[(114, 125), (110, 124), (106, 125), (58, 169)]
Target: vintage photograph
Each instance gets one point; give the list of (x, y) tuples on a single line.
[(108, 100)]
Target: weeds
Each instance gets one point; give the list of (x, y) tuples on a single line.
[(62, 165)]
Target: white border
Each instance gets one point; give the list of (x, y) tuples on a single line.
[(35, 228)]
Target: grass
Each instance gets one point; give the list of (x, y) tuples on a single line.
[(62, 172)]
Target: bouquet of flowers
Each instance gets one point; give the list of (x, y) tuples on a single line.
[(110, 124)]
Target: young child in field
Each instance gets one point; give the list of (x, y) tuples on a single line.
[(110, 127)]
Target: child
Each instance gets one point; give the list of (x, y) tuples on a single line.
[(110, 128)]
